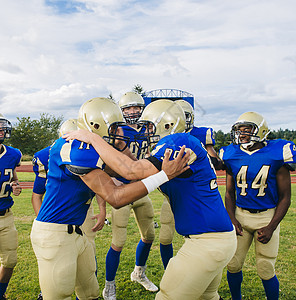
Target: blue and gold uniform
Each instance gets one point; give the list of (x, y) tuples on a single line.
[(257, 200), (201, 217), (255, 172), (40, 168), (204, 134), (144, 215), (167, 229), (64, 254), (10, 158)]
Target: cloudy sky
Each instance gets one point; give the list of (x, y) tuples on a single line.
[(233, 56)]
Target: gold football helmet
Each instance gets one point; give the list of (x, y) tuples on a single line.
[(258, 129), (165, 116), (5, 127), (130, 99), (189, 113), (68, 126), (103, 117)]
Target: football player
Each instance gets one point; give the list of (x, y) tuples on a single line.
[(66, 260), (258, 195), (10, 158), (167, 228), (40, 168), (210, 241), (132, 105)]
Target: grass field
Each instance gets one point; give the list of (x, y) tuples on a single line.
[(24, 283)]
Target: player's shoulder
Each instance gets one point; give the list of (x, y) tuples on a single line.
[(13, 151), (227, 151), (279, 143), (42, 153)]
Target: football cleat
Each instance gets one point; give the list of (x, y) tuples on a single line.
[(109, 291), (40, 297), (139, 276)]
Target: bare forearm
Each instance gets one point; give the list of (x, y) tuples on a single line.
[(121, 163), (36, 202)]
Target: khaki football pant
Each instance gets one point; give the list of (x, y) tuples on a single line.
[(8, 240), (144, 214), (88, 224), (196, 271), (66, 262), (167, 221), (266, 254)]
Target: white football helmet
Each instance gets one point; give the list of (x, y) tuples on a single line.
[(130, 99), (189, 113), (258, 133), (103, 117), (68, 126), (165, 116), (5, 127)]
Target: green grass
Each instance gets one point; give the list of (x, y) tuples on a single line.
[(24, 283)]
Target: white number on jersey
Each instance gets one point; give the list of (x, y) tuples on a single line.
[(259, 181), (6, 183)]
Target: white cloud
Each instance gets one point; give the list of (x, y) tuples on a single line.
[(233, 56)]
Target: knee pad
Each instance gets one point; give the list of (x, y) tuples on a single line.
[(265, 268), (235, 266), (167, 221), (119, 223), (144, 215)]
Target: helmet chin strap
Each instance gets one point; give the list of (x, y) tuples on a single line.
[(248, 145)]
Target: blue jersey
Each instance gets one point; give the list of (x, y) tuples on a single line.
[(138, 144), (10, 158), (255, 172), (204, 134), (194, 197), (67, 197), (40, 168)]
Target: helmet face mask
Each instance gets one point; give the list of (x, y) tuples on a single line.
[(167, 117), (115, 139), (150, 130), (5, 129), (250, 128), (131, 100)]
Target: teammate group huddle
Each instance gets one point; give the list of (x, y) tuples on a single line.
[(119, 154)]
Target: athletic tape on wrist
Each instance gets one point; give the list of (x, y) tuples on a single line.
[(154, 181)]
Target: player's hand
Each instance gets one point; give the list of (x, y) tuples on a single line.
[(100, 222), (16, 188), (177, 166), (80, 135), (264, 234), (238, 227)]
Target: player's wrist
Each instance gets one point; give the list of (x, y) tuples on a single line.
[(154, 181)]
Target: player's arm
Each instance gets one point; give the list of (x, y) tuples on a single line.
[(217, 162), (230, 202), (118, 161), (101, 216), (117, 196), (283, 180), (36, 202), (16, 188)]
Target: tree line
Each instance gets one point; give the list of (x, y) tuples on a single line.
[(30, 135)]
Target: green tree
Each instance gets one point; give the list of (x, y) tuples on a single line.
[(138, 89), (31, 136)]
